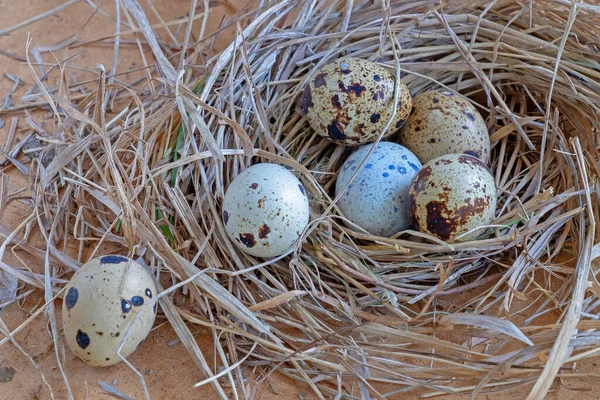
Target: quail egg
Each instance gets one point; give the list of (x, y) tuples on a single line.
[(350, 101), (377, 198), (265, 210), (100, 307), (452, 195), (445, 123)]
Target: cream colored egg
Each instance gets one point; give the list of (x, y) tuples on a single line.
[(445, 123), (451, 195), (350, 101), (265, 210), (100, 307)]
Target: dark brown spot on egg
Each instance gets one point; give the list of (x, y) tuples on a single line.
[(254, 185), (432, 140), (117, 334), (399, 123), (335, 130), (359, 129), (125, 306), (137, 300), (375, 117), (320, 80), (437, 223), (421, 179), (99, 333), (443, 161), (247, 239), (335, 101), (71, 297), (264, 231), (113, 259), (355, 88), (443, 222), (260, 203), (469, 210), (378, 95), (83, 340), (307, 101)]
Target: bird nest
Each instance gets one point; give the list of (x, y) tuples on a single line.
[(144, 168)]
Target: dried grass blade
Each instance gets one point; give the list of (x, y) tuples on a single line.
[(489, 323), (283, 298), (165, 65)]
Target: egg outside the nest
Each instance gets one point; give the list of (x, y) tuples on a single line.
[(452, 195), (349, 101), (265, 210), (442, 123), (104, 305), (377, 198)]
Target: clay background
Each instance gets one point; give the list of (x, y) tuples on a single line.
[(167, 369)]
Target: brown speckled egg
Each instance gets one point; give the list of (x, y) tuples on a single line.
[(265, 210), (102, 301), (452, 195), (349, 101), (445, 123)]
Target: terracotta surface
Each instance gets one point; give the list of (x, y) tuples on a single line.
[(167, 369)]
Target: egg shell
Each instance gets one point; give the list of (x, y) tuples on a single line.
[(445, 123), (452, 195), (101, 302), (265, 210), (377, 198), (350, 101)]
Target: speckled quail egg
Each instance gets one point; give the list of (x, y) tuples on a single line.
[(445, 123), (350, 101), (265, 210), (377, 198), (101, 302), (451, 195)]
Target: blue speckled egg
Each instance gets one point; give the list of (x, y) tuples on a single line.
[(377, 199)]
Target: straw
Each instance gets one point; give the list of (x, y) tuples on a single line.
[(146, 164)]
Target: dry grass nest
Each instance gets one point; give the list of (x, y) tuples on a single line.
[(143, 167)]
